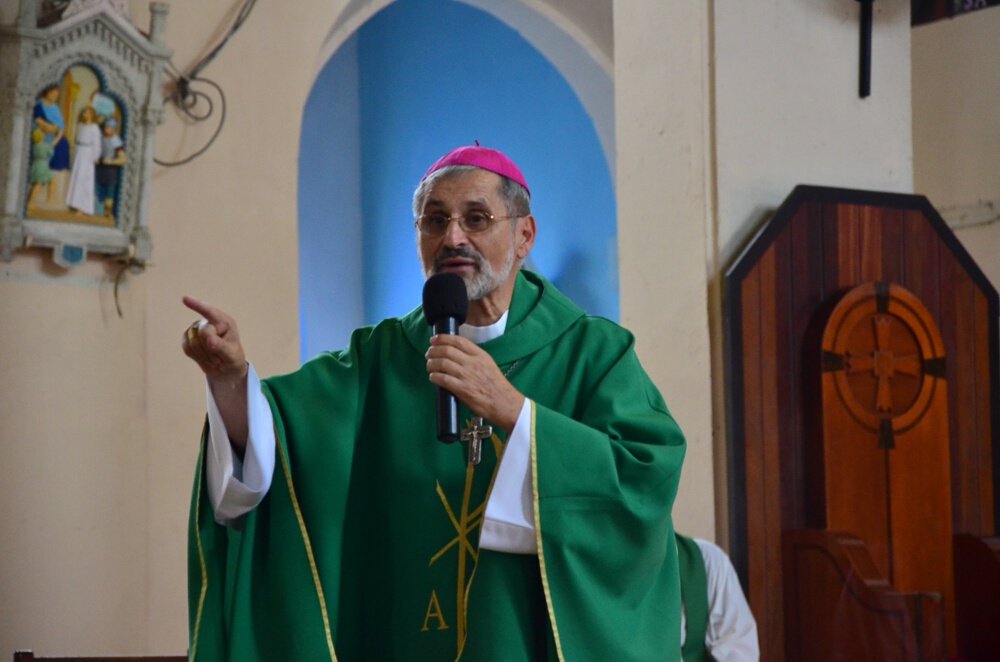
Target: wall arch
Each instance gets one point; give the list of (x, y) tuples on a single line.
[(575, 37)]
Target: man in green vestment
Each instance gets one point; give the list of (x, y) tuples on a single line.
[(327, 521)]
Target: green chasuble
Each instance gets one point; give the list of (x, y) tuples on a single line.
[(366, 547)]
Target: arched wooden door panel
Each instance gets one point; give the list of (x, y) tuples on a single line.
[(885, 437)]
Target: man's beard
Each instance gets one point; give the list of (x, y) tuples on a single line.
[(484, 280)]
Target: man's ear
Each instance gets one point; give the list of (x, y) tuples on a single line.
[(526, 230)]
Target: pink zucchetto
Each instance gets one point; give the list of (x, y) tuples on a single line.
[(481, 157)]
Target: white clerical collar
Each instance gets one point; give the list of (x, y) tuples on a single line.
[(480, 334)]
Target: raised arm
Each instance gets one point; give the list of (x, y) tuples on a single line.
[(214, 344)]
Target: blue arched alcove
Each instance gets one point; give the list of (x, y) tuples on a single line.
[(419, 78)]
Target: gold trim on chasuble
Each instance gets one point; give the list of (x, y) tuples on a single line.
[(201, 555), (538, 538), (308, 546), (305, 539), (466, 523)]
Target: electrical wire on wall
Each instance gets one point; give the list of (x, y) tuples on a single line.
[(188, 102), (194, 104)]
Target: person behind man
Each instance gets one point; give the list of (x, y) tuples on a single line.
[(328, 522), (716, 622)]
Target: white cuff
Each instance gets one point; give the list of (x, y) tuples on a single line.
[(509, 523), (235, 487)]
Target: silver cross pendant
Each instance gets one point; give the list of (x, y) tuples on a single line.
[(474, 434)]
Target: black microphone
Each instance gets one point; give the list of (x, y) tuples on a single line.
[(446, 304)]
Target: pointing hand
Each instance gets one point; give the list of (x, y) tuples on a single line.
[(214, 343)]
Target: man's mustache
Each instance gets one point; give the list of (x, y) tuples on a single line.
[(465, 252)]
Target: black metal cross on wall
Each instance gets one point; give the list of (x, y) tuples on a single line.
[(865, 54)]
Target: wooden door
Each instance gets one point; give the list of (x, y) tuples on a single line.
[(885, 438)]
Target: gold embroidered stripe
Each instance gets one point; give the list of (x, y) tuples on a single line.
[(308, 546), (538, 537), (480, 517), (201, 559)]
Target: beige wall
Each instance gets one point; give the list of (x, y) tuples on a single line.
[(720, 110), (956, 128), (788, 110), (72, 462)]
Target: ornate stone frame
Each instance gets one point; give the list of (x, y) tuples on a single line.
[(130, 64)]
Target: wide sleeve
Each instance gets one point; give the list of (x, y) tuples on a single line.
[(240, 578), (605, 482)]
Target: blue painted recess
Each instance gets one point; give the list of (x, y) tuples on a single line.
[(419, 78)]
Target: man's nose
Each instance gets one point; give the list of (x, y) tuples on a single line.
[(454, 235)]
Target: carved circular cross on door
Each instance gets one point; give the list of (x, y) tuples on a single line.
[(886, 355)]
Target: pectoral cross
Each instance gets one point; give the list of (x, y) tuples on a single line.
[(474, 433)]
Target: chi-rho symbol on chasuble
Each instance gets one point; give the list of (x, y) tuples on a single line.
[(466, 522)]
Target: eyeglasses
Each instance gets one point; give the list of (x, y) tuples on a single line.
[(471, 222)]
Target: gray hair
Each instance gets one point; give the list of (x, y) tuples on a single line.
[(515, 196)]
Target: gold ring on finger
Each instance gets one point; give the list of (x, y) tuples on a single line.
[(192, 333)]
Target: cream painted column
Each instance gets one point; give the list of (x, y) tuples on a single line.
[(664, 217)]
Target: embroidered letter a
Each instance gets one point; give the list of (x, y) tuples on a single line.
[(434, 611)]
